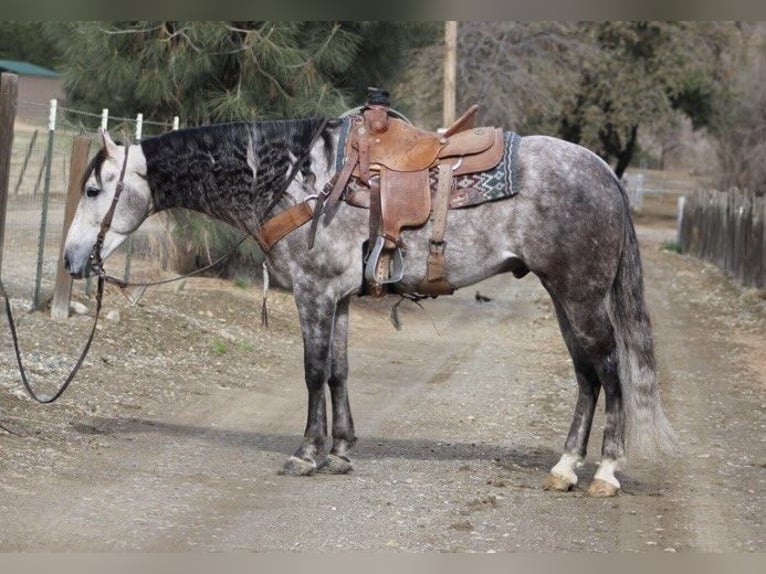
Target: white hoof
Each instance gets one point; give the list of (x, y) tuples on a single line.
[(563, 477), (602, 489), (558, 483)]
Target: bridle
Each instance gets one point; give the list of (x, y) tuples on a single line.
[(95, 261)]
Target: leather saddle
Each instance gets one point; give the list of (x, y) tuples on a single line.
[(392, 159)]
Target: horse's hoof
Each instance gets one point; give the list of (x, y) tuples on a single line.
[(335, 464), (555, 482), (296, 466), (602, 489)]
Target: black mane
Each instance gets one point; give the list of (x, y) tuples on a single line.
[(207, 168), (196, 167)]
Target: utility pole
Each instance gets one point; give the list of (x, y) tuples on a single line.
[(450, 71)]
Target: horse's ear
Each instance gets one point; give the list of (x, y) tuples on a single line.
[(107, 143)]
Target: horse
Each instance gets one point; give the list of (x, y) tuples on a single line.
[(568, 223)]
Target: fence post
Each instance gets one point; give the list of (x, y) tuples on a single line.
[(77, 164), (26, 162), (44, 214), (680, 223), (8, 96), (130, 242)]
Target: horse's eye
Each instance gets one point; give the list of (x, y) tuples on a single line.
[(92, 191)]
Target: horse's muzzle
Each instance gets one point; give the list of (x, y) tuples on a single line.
[(77, 272)]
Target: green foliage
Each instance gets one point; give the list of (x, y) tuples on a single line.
[(639, 73), (671, 245), (384, 54), (215, 71), (246, 347), (26, 42)]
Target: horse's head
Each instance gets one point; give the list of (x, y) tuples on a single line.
[(98, 189)]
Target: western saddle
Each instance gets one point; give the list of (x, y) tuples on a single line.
[(388, 162)]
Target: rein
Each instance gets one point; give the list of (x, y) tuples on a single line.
[(45, 399)]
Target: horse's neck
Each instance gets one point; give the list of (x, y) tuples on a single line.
[(230, 173)]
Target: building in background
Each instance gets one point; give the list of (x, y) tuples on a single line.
[(37, 86)]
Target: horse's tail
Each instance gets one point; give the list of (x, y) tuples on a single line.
[(647, 428)]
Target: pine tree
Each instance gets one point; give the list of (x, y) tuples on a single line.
[(207, 72), (26, 41)]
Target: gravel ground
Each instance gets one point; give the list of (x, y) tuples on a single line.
[(171, 437)]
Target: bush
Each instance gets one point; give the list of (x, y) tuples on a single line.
[(199, 240)]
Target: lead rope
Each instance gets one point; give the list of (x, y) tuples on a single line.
[(45, 399), (97, 265)]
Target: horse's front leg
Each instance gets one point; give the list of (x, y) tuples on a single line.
[(338, 461), (317, 314)]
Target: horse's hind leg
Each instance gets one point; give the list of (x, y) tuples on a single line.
[(338, 461), (563, 476), (594, 334)]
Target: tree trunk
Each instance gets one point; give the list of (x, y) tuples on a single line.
[(625, 155)]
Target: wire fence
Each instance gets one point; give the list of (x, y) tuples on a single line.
[(38, 181)]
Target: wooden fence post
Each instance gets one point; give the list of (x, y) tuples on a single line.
[(63, 290), (8, 97)]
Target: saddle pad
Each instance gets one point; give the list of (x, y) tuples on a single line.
[(480, 187)]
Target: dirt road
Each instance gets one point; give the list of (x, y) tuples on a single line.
[(172, 437)]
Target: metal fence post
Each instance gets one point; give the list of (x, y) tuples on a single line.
[(26, 162), (46, 197)]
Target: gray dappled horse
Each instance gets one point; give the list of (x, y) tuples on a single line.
[(568, 224)]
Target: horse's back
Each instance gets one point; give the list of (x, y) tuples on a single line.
[(545, 161)]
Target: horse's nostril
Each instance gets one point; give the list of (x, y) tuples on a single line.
[(70, 269)]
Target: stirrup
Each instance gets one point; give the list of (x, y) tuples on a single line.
[(397, 263)]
